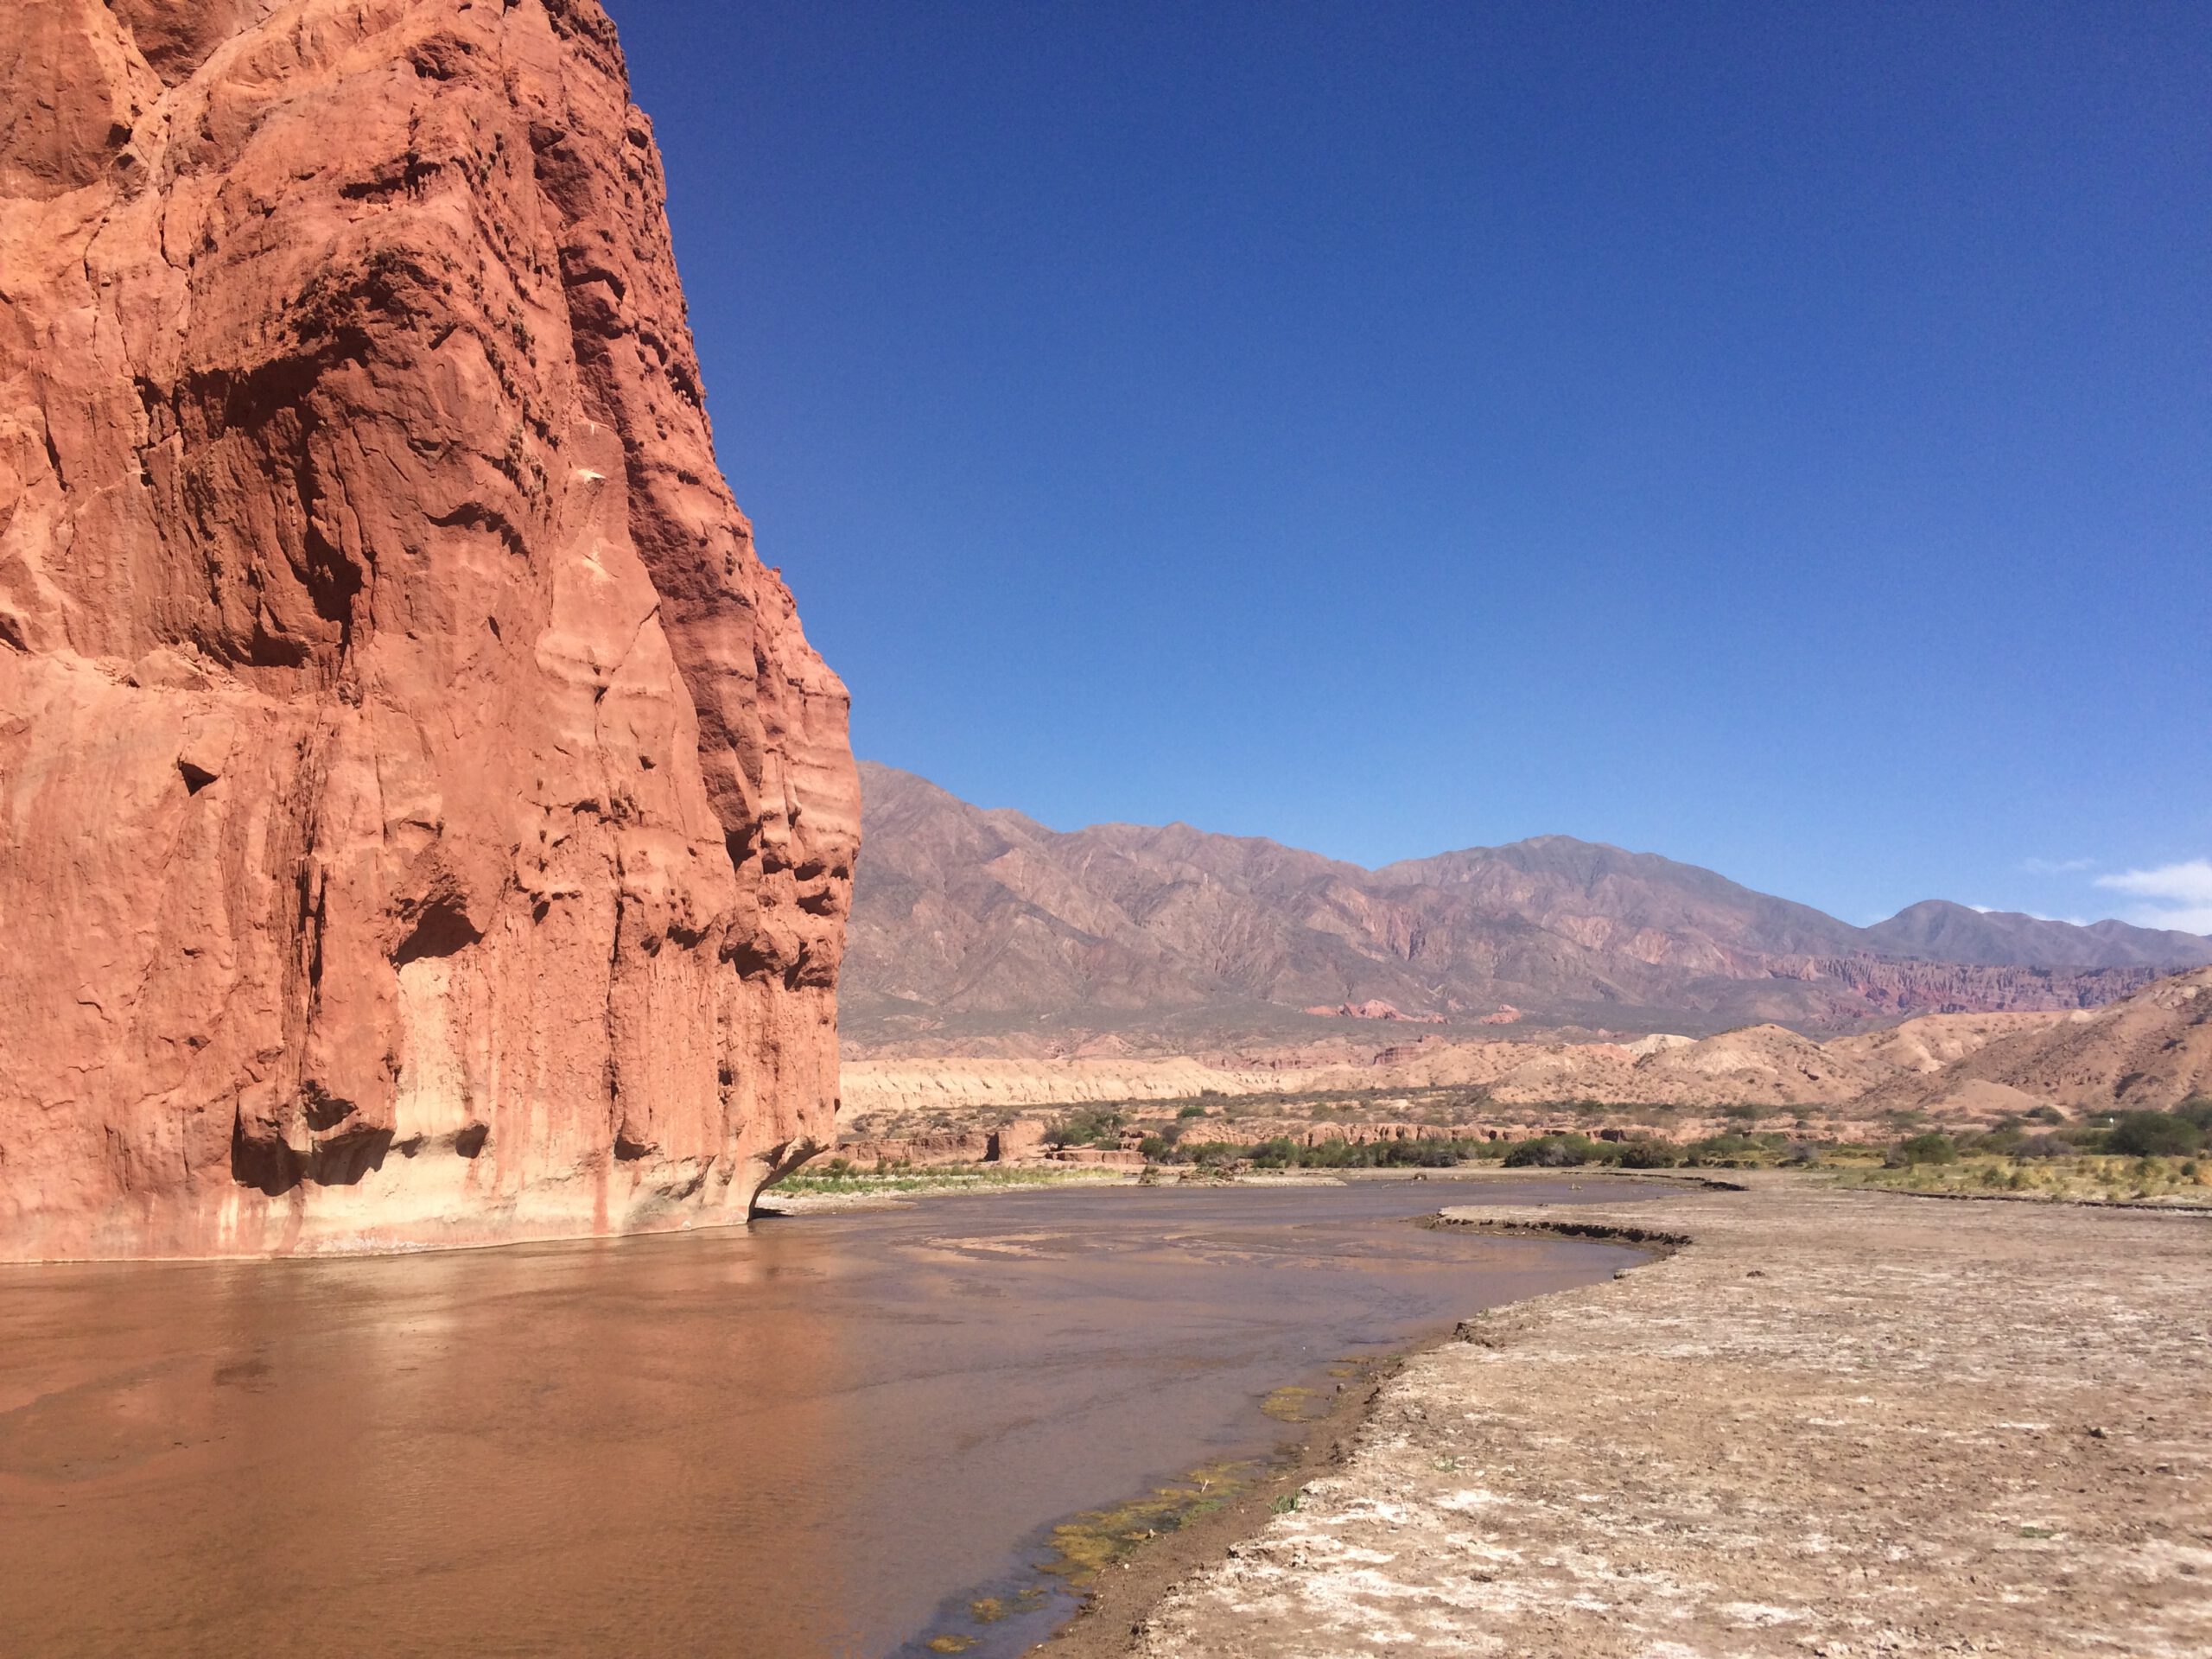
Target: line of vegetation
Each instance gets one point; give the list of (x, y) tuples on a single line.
[(2045, 1132), (2089, 1175), (838, 1177), (2129, 1156), (1454, 1109), (1283, 1152), (1565, 1150), (2177, 1133)]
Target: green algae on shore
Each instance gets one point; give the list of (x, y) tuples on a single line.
[(1098, 1539), (1294, 1404)]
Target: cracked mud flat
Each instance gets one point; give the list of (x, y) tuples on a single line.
[(1837, 1423)]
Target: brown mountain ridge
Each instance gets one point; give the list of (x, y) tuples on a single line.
[(989, 930)]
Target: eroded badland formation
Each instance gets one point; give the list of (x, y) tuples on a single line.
[(422, 818), (2149, 1052)]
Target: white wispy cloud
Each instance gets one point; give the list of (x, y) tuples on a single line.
[(2057, 866), (2180, 894), (2032, 915)]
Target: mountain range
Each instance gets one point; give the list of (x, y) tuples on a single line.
[(982, 928)]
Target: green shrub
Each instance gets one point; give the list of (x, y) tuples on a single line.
[(1192, 1111), (1930, 1149), (2153, 1134), (1088, 1126), (2196, 1109), (1425, 1153), (1725, 1150), (1552, 1152), (1648, 1154)]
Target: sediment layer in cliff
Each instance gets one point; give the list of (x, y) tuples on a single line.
[(422, 818)]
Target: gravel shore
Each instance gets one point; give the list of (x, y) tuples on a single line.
[(1833, 1423)]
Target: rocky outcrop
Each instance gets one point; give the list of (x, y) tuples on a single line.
[(1022, 1140), (912, 1087), (1376, 1008), (916, 1151), (422, 819), (1098, 1157), (2148, 1053), (1928, 1043), (1886, 987)]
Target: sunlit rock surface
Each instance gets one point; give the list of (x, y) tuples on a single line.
[(422, 819)]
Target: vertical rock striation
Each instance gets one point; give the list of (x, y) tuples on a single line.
[(422, 819)]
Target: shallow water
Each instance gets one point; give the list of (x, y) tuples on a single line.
[(819, 1436)]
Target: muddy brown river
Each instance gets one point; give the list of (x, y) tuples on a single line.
[(825, 1435)]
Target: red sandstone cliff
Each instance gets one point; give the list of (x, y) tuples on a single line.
[(421, 817)]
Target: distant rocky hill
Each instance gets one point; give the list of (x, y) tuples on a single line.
[(1940, 931), (2151, 1051), (985, 931)]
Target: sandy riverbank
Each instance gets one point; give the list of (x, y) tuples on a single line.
[(1837, 1423)]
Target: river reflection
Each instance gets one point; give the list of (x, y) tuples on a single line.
[(797, 1439)]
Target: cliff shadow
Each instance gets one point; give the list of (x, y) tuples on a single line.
[(273, 1169)]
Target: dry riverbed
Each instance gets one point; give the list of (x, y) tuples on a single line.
[(1836, 1422)]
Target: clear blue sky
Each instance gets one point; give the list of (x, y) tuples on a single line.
[(1775, 436)]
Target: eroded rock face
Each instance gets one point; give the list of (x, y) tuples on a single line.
[(422, 818)]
